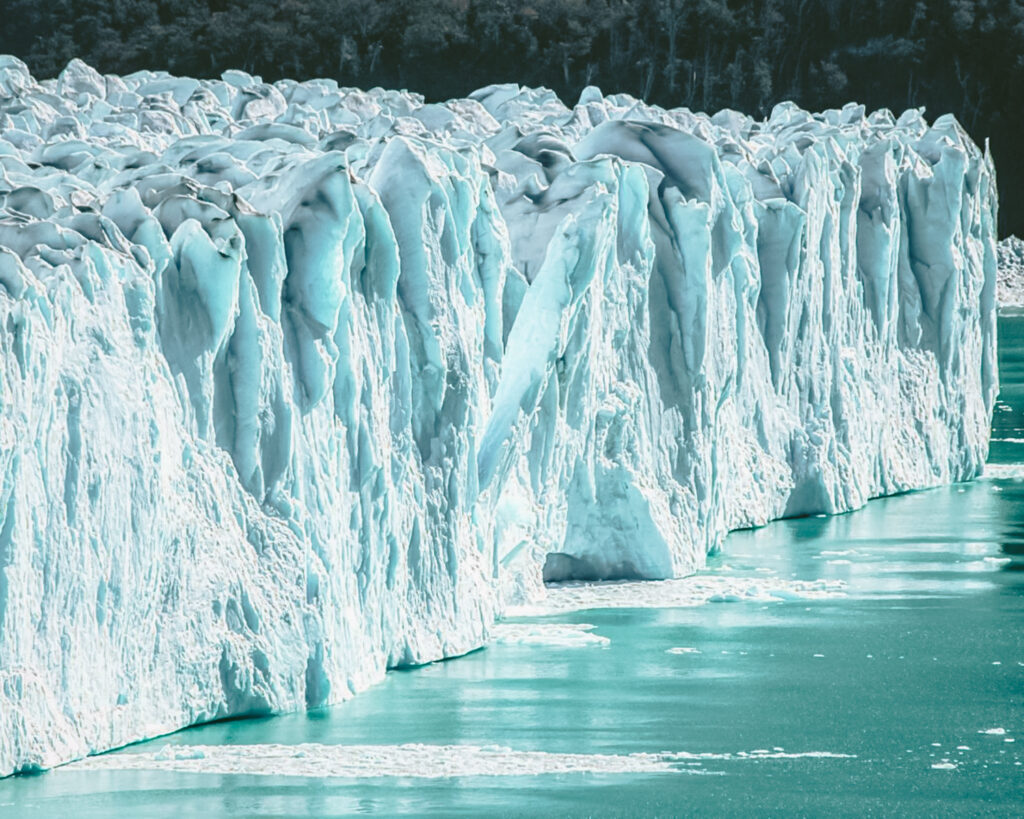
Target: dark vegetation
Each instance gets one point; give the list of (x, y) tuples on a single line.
[(964, 56)]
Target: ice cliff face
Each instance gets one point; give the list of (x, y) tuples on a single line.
[(1010, 278), (299, 383)]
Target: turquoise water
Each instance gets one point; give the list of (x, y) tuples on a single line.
[(901, 662)]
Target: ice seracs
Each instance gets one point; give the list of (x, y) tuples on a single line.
[(299, 382)]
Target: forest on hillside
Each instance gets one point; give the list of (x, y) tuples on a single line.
[(963, 56)]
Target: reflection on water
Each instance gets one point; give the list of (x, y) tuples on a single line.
[(907, 667)]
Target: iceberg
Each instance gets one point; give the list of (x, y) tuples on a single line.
[(300, 383)]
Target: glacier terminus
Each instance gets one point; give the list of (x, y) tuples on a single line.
[(299, 383)]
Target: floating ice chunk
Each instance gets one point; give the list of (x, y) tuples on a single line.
[(1004, 472), (175, 752), (564, 635)]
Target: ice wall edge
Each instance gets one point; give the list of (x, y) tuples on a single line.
[(299, 383)]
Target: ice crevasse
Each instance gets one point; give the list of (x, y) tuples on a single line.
[(299, 383)]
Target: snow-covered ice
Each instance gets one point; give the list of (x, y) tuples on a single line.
[(299, 383)]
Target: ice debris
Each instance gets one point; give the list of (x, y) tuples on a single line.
[(680, 592), (420, 761), (563, 635)]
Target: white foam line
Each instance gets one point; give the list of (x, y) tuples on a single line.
[(681, 592), (412, 761)]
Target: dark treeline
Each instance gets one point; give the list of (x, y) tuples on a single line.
[(964, 56)]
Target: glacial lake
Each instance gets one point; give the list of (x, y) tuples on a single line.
[(865, 664)]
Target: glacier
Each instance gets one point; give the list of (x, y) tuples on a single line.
[(299, 383)]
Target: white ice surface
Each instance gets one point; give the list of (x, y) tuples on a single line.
[(299, 383)]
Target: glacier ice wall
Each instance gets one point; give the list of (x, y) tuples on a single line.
[(299, 383)]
